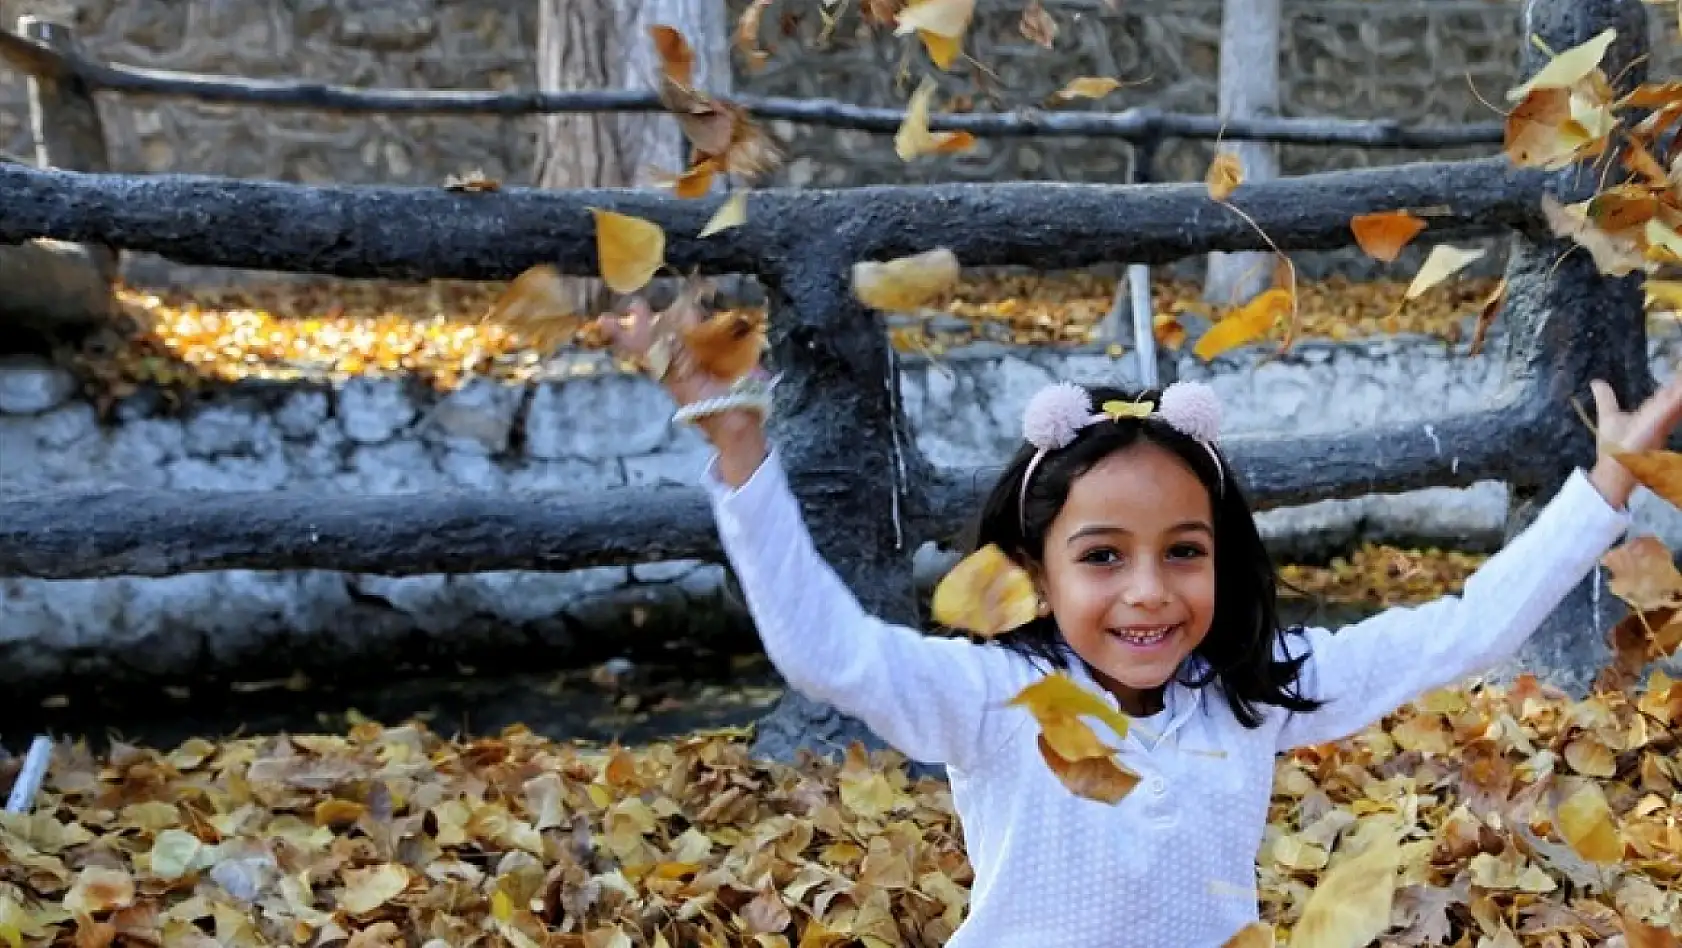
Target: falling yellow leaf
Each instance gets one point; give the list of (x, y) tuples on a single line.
[(913, 139), (987, 593), (1487, 311), (732, 213), (1057, 696), (1569, 67), (1351, 905), (1383, 235), (1087, 87), (940, 24), (906, 284), (1663, 294), (630, 250), (677, 58), (1443, 262), (1246, 324), (1225, 174)]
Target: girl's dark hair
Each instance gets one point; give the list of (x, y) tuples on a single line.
[(1240, 648)]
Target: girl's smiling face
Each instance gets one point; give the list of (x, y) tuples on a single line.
[(1129, 570)]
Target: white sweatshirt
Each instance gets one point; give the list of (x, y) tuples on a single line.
[(1173, 864)]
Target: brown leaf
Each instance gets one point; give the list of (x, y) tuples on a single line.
[(677, 59), (747, 35), (1643, 574), (1487, 311), (1383, 235), (1037, 26), (474, 181), (1658, 471), (1101, 779)]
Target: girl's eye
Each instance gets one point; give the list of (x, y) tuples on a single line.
[(1186, 551), (1103, 556)]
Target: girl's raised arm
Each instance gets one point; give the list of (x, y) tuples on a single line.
[(938, 700), (935, 699), (1366, 670)]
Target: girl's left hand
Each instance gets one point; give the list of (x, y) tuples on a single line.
[(1647, 428)]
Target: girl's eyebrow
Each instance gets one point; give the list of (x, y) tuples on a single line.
[(1102, 529)]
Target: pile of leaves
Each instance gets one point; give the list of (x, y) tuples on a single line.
[(1478, 816), (1383, 576), (438, 332)]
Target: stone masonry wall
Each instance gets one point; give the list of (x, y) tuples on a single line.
[(1423, 61), (386, 436)]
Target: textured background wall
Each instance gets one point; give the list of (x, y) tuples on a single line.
[(1425, 61)]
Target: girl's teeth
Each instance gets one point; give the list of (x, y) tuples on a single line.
[(1146, 638)]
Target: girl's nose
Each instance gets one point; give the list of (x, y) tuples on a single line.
[(1145, 589)]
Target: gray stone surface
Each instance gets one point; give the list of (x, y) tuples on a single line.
[(385, 436)]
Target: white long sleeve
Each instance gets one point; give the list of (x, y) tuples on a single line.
[(936, 699), (1366, 670)]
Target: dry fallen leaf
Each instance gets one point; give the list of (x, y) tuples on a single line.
[(906, 284), (474, 181), (986, 593), (1087, 87), (940, 24), (629, 249), (536, 304), (733, 212), (1643, 574), (1246, 324), (747, 35), (913, 139), (1613, 255), (1658, 471), (1443, 262), (1383, 235), (1351, 905), (1568, 68), (1225, 174), (726, 345), (1037, 26)]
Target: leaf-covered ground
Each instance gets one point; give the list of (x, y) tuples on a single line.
[(438, 331), (1532, 821)]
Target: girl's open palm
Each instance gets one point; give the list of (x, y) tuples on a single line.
[(1646, 428)]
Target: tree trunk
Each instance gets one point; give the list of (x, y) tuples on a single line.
[(1249, 89), (604, 44)]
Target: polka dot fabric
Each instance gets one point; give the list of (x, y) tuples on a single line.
[(1173, 864)]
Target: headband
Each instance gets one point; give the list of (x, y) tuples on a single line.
[(1057, 413)]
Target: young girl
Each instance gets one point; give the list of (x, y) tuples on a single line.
[(1155, 591)]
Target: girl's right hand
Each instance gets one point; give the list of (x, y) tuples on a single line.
[(656, 341)]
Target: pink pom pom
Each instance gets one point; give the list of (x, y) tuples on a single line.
[(1055, 415), (1193, 409)]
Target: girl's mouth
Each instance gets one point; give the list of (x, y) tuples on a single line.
[(1145, 636)]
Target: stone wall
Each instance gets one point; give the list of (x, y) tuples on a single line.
[(386, 436), (1423, 61)]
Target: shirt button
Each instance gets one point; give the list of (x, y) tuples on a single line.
[(1159, 786)]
